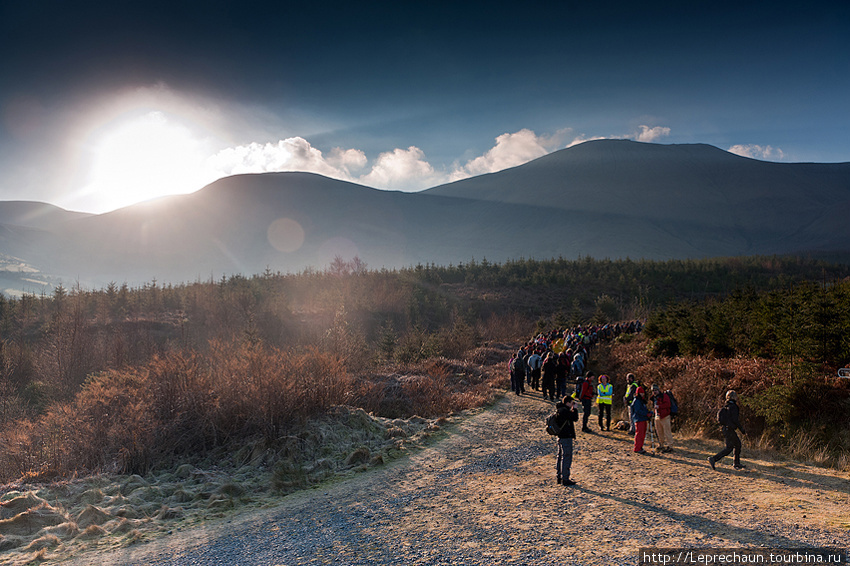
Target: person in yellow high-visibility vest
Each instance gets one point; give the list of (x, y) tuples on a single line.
[(604, 399)]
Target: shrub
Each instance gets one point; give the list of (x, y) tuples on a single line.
[(663, 347)]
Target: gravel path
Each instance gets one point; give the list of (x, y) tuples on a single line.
[(486, 495)]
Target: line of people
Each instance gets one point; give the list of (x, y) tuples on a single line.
[(553, 360)]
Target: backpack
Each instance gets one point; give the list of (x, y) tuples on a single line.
[(552, 426), (518, 366), (723, 416), (586, 389), (674, 405)]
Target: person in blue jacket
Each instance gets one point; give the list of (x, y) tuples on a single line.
[(641, 414)]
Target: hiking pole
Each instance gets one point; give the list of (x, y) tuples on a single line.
[(651, 435)]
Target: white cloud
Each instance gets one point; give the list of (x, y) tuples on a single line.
[(755, 151), (648, 134), (582, 138), (403, 169), (291, 154), (347, 159), (399, 169), (510, 150)]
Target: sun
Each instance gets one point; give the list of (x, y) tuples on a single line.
[(141, 158)]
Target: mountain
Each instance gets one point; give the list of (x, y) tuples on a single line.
[(35, 214), (607, 198), (717, 202)]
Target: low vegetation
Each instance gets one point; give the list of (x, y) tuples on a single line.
[(208, 394)]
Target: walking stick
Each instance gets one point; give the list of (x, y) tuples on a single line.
[(651, 435)]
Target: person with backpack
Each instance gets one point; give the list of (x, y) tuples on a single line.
[(729, 419), (585, 395), (577, 368), (518, 371), (641, 415), (663, 406), (565, 416), (631, 390), (604, 400)]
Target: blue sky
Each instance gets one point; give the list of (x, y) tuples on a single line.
[(106, 103)]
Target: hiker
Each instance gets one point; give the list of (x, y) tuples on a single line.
[(577, 368), (604, 399), (549, 371), (535, 362), (562, 370), (518, 372), (585, 395), (641, 415), (729, 419), (631, 389), (567, 414), (662, 405)]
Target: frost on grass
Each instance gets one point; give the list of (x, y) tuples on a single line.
[(40, 522)]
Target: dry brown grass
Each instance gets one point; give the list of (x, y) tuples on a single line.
[(700, 384), (130, 420), (183, 404)]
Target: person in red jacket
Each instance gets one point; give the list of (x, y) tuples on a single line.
[(662, 405)]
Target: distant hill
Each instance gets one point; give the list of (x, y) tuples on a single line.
[(607, 198), (717, 202), (35, 214)]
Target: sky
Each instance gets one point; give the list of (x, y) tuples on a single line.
[(104, 104)]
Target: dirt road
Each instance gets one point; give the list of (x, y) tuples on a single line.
[(486, 494)]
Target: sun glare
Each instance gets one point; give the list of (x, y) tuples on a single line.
[(144, 158)]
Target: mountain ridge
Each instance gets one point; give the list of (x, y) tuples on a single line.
[(606, 199)]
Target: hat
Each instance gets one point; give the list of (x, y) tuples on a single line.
[(655, 387), (641, 391), (731, 396)]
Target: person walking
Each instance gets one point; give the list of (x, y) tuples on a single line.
[(662, 406), (518, 371), (604, 399), (567, 415), (729, 418), (641, 415)]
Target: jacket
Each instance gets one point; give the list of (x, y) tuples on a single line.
[(639, 410), (734, 417), (565, 419), (663, 405), (604, 394)]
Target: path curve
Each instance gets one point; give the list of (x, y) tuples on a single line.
[(486, 494)]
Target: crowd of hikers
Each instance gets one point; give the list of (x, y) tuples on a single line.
[(556, 363)]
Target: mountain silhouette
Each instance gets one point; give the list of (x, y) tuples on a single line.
[(605, 199)]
